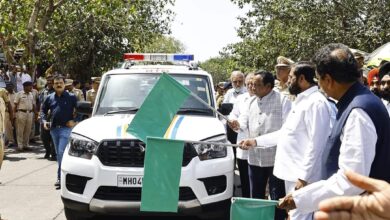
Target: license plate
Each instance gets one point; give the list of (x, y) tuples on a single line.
[(129, 181)]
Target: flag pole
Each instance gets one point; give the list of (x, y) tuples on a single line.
[(209, 106), (216, 143)]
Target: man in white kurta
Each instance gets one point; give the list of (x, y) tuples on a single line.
[(241, 105), (301, 140)]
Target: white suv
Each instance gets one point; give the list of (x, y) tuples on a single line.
[(102, 167)]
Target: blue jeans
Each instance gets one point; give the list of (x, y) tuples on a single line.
[(60, 138)]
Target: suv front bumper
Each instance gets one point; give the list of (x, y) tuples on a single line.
[(197, 175)]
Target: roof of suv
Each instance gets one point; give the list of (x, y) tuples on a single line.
[(182, 69)]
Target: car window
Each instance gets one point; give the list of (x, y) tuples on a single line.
[(121, 92)]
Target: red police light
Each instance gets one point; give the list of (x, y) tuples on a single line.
[(133, 56)]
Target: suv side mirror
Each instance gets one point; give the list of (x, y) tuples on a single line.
[(84, 108), (226, 108)]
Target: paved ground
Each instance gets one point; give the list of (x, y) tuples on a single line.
[(27, 188)]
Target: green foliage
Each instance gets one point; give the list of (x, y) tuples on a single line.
[(86, 37), (298, 28), (164, 44), (221, 67)]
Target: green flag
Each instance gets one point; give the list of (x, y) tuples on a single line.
[(159, 108), (252, 209), (162, 171)]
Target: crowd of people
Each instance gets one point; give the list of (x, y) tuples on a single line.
[(45, 106), (303, 135), (299, 133)]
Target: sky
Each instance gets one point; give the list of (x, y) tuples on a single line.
[(205, 26)]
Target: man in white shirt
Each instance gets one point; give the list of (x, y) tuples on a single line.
[(266, 113), (301, 141), (237, 79), (360, 137), (241, 105)]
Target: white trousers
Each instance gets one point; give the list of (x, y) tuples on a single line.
[(294, 214)]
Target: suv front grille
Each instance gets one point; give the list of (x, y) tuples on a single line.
[(131, 153), (134, 193)]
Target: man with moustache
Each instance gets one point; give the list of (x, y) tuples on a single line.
[(300, 142), (62, 106), (266, 113)]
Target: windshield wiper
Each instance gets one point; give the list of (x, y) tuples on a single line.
[(122, 111), (194, 110)]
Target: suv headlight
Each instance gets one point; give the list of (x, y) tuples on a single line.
[(80, 146), (211, 151)]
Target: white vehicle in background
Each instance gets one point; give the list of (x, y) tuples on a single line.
[(102, 167)]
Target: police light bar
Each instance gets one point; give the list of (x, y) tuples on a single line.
[(158, 57)]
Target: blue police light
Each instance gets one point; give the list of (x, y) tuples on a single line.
[(183, 57)]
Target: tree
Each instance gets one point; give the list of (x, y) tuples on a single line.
[(83, 37), (100, 31), (164, 44), (298, 28), (222, 66)]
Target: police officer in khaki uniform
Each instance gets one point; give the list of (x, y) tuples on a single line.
[(4, 103), (283, 68), (91, 94), (9, 125), (69, 85), (34, 124), (24, 109)]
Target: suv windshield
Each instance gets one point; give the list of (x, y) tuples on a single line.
[(127, 92)]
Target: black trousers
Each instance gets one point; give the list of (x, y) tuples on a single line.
[(47, 142), (258, 177), (244, 177)]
